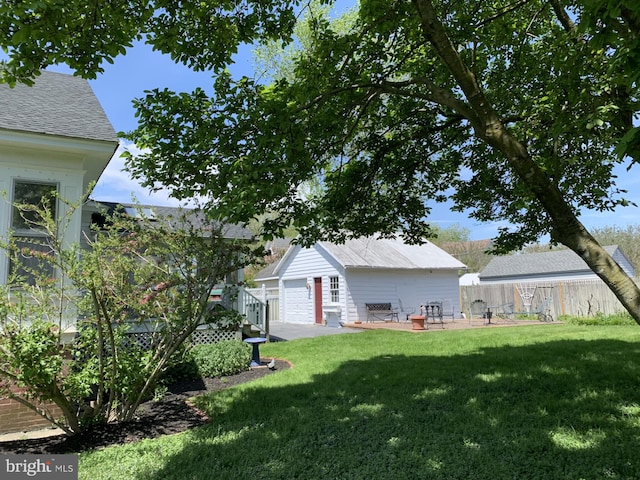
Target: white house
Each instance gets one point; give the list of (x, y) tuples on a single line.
[(555, 265), (54, 136), (331, 283)]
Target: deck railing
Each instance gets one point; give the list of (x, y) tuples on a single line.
[(254, 311)]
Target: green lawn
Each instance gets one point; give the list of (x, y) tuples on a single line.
[(535, 402)]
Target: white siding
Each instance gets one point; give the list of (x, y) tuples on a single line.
[(68, 182), (296, 273), (67, 162), (402, 288)]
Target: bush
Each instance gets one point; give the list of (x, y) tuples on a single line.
[(620, 318), (182, 367), (223, 358)]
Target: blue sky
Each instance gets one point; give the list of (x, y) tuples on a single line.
[(142, 69)]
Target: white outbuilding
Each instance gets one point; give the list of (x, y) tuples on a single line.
[(332, 283)]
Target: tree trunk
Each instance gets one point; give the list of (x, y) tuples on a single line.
[(489, 127)]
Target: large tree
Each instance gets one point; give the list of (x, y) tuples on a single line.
[(516, 110)]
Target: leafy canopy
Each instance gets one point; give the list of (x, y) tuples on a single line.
[(510, 109)]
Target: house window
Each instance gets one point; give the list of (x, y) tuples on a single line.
[(28, 236), (334, 289)]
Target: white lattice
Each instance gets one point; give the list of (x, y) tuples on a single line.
[(213, 336), (205, 336)]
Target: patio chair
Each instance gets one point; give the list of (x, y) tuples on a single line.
[(447, 309), (404, 312), (543, 311)]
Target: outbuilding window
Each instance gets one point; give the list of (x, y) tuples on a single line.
[(334, 289)]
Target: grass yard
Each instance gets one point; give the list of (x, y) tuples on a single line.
[(535, 402)]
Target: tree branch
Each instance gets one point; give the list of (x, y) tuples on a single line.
[(437, 95), (504, 11), (480, 114), (563, 16)]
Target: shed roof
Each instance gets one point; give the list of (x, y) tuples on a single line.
[(377, 253), (373, 252), (57, 104), (543, 263)]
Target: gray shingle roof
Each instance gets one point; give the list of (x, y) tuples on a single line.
[(174, 216), (267, 272), (371, 252), (377, 253), (57, 104), (544, 263)]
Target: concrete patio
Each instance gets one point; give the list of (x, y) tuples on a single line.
[(284, 331)]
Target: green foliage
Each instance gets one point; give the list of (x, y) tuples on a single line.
[(622, 318), (376, 171), (516, 112), (181, 367), (452, 233), (85, 34), (137, 276), (375, 107), (222, 358), (31, 355)]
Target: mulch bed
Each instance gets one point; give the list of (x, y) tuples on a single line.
[(172, 414)]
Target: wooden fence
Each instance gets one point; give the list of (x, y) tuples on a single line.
[(584, 298)]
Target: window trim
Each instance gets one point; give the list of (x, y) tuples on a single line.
[(334, 288), (19, 233)]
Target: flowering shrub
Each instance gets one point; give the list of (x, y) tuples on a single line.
[(104, 374)]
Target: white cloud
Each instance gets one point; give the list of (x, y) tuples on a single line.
[(116, 185)]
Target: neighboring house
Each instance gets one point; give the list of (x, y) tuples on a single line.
[(178, 217), (277, 246), (267, 277), (330, 283), (54, 136), (547, 267)]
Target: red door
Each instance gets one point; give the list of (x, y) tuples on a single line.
[(317, 298)]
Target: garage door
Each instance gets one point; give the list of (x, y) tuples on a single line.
[(296, 302)]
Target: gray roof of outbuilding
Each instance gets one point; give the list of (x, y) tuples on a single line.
[(377, 253), (543, 263), (57, 104), (372, 252)]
